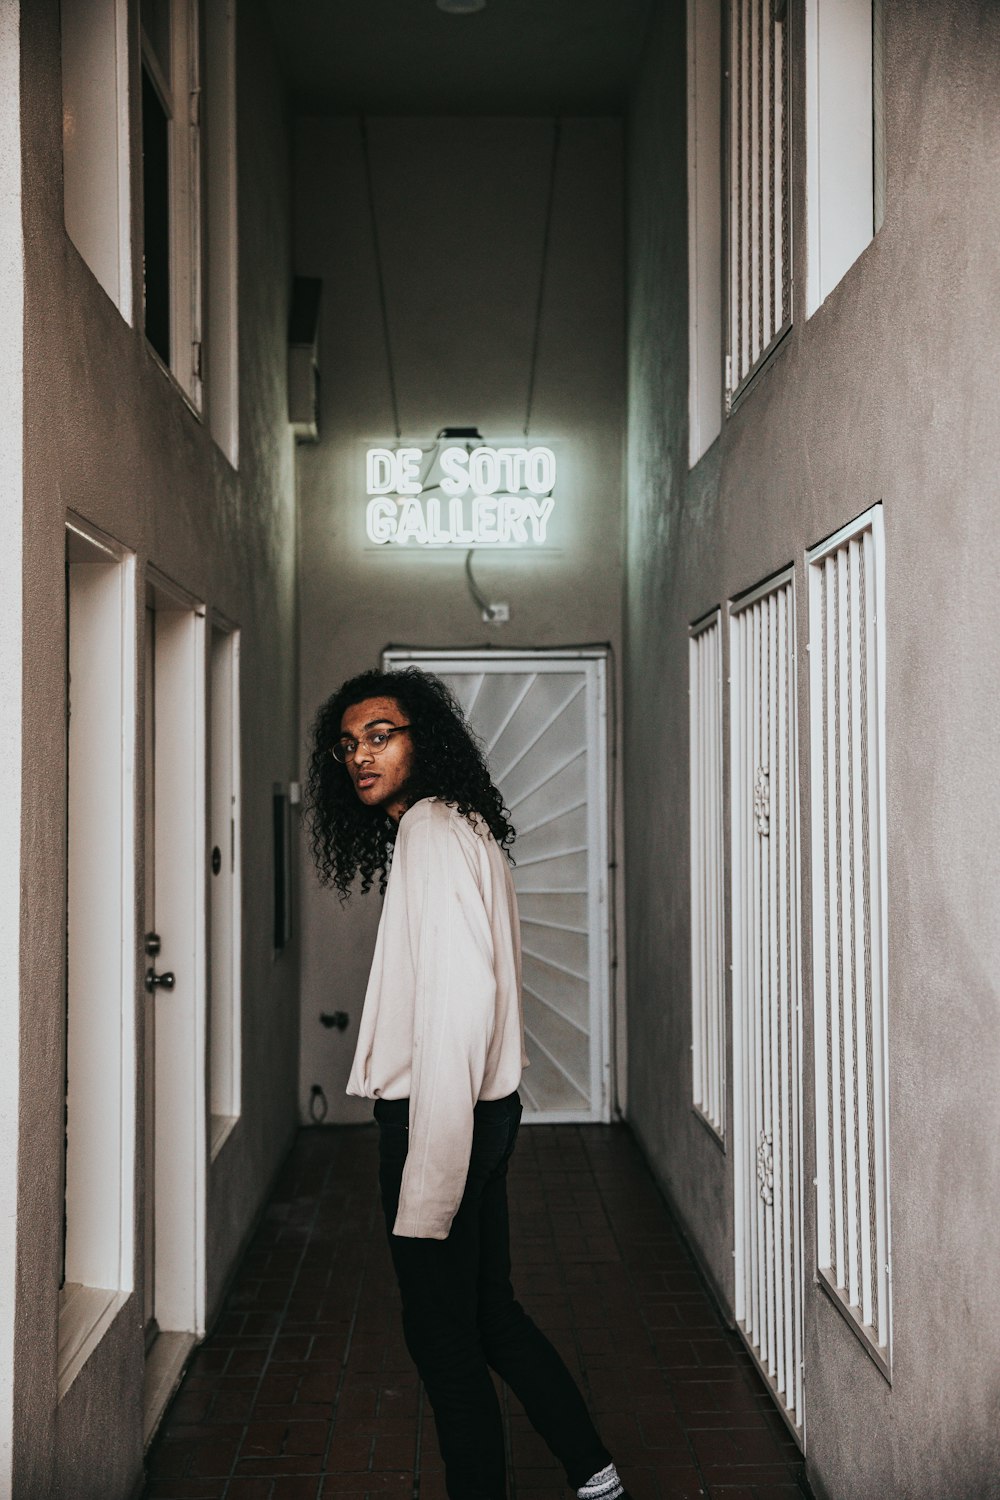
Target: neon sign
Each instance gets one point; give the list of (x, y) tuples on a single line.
[(468, 497)]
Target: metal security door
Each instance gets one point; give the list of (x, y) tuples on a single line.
[(766, 987), (541, 718)]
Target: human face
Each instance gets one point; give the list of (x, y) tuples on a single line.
[(379, 780)]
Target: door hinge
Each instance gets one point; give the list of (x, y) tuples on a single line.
[(194, 107), (196, 359)]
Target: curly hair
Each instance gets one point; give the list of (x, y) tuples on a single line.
[(349, 838)]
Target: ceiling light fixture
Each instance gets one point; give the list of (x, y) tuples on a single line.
[(461, 7)]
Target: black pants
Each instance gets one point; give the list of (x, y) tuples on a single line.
[(460, 1318)]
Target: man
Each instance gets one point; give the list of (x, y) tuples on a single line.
[(397, 779)]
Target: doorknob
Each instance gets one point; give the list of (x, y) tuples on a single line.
[(156, 981)]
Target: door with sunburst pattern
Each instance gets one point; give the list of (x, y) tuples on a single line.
[(542, 719)]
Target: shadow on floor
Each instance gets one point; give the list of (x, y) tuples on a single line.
[(305, 1390)]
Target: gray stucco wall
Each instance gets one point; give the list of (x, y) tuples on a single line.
[(461, 214), (108, 435), (889, 392)]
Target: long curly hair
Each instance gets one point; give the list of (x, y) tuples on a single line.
[(349, 838)]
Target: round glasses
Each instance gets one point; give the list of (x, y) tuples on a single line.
[(376, 741)]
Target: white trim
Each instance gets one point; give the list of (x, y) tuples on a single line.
[(544, 822), (705, 340), (840, 141), (707, 848), (551, 964), (85, 1315), (181, 1113), (181, 101), (765, 878), (859, 1286), (549, 776), (162, 1373), (759, 191), (222, 311), (220, 1128), (95, 86), (13, 19), (553, 716), (555, 926), (225, 1056), (101, 1040)]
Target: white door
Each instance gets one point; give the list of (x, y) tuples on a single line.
[(541, 717), (223, 886), (149, 1007), (767, 1077), (174, 1075)]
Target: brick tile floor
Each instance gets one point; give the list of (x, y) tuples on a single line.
[(304, 1389)]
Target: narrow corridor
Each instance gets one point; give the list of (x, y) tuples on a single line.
[(305, 1390)]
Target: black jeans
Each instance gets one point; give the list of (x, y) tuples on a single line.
[(460, 1318)]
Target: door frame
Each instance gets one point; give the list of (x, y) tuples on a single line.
[(181, 1076), (600, 894)]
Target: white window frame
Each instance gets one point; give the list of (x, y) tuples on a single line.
[(181, 911), (767, 988), (222, 308), (704, 115), (708, 939), (859, 1274), (181, 98), (95, 86), (844, 153), (101, 974), (759, 244), (224, 1009)]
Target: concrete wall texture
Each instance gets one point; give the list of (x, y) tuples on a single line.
[(108, 435), (460, 211), (889, 392)]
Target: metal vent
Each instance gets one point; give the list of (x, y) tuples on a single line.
[(767, 1074), (760, 262), (708, 989), (847, 753)]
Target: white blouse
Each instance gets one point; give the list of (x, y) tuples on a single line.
[(443, 1020)]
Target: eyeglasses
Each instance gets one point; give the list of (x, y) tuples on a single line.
[(345, 750)]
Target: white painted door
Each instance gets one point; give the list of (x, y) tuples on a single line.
[(149, 1007), (541, 718), (223, 886), (767, 1049), (174, 1100)]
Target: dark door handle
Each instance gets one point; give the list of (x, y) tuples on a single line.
[(156, 981)]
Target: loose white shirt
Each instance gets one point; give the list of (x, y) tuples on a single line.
[(443, 1020)]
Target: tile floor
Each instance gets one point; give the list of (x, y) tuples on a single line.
[(304, 1390)]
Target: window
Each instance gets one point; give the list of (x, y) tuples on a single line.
[(95, 141), (100, 971), (760, 280), (220, 169), (845, 157), (704, 225), (171, 180), (850, 948), (708, 976)]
